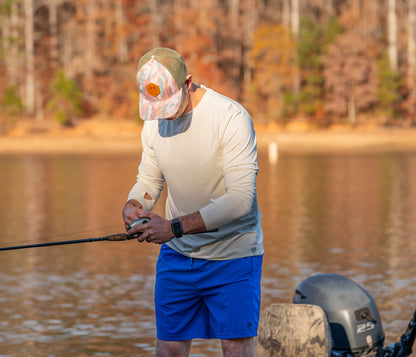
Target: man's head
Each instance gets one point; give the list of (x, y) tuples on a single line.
[(160, 77)]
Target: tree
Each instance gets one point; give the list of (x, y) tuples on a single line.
[(311, 46), (389, 85), (10, 39), (272, 56), (98, 43), (65, 102), (392, 35), (309, 49), (411, 51), (350, 75), (29, 57), (11, 107)]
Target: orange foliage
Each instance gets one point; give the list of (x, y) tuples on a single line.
[(272, 57), (350, 74), (238, 47)]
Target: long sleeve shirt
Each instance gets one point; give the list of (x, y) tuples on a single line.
[(208, 159)]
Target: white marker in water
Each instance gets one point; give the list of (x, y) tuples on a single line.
[(273, 153)]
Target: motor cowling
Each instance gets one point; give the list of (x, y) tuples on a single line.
[(351, 312)]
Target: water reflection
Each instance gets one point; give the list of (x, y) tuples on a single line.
[(347, 213)]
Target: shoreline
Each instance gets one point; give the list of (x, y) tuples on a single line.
[(104, 136), (353, 140)]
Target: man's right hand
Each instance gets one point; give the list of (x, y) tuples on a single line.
[(131, 211)]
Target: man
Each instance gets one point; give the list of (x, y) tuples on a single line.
[(203, 145)]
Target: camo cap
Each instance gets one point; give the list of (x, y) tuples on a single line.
[(160, 76)]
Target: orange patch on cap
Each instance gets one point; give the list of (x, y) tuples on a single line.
[(153, 90)]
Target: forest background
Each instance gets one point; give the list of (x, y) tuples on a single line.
[(324, 61)]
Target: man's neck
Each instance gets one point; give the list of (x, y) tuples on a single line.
[(196, 92)]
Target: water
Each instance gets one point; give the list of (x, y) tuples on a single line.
[(352, 214)]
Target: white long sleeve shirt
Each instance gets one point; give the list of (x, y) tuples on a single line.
[(208, 158)]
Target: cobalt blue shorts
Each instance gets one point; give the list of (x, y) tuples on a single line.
[(198, 298)]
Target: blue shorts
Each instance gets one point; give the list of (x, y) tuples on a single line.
[(197, 298)]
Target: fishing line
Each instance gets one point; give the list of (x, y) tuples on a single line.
[(46, 239)]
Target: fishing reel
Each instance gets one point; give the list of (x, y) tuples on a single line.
[(139, 221)]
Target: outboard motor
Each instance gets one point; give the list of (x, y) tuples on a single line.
[(351, 311)]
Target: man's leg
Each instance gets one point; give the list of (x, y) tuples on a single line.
[(173, 348), (238, 347)]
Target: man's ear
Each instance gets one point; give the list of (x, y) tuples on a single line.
[(188, 81)]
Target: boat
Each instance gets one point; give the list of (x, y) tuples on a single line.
[(330, 316)]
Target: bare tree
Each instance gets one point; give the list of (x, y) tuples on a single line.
[(95, 41), (411, 46), (155, 21), (11, 41), (295, 32), (90, 47), (29, 57), (392, 34), (350, 75), (295, 17), (53, 29)]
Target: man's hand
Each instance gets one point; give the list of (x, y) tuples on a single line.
[(157, 230), (131, 211)]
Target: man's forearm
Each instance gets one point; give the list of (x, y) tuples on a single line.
[(193, 223)]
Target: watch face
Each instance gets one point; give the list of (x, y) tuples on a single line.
[(177, 229)]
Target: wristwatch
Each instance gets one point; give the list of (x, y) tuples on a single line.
[(177, 228)]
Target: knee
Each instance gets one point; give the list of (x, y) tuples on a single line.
[(238, 347), (172, 348)]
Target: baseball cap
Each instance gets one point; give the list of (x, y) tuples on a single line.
[(160, 76)]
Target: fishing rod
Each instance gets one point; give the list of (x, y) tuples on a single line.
[(112, 237)]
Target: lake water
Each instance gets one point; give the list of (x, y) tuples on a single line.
[(347, 213)]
